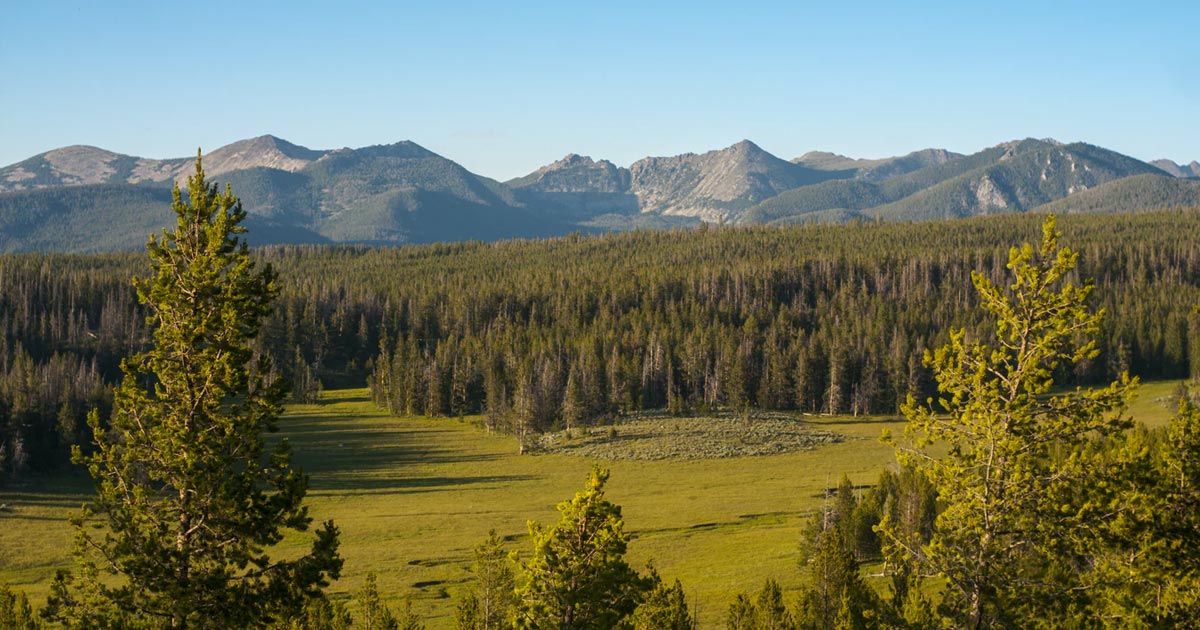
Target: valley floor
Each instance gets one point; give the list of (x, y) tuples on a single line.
[(413, 496)]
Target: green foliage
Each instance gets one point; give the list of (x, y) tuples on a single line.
[(467, 614), (771, 613), (743, 614), (1148, 568), (838, 538), (578, 578), (489, 605), (372, 613), (15, 611), (408, 619), (767, 611), (319, 613), (906, 508), (1177, 539), (187, 502), (664, 608), (1013, 539)]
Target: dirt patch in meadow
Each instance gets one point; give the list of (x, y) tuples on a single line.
[(659, 436)]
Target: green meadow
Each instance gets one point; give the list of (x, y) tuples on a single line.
[(413, 496)]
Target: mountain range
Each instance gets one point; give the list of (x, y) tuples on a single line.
[(82, 198)]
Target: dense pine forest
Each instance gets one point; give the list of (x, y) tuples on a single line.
[(544, 334)]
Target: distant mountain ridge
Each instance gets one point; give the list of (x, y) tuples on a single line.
[(1011, 177), (82, 198), (80, 165), (880, 169), (1178, 170)]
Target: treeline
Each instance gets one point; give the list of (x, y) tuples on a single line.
[(540, 334), (67, 321)]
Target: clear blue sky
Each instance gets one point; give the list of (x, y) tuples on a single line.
[(503, 89)]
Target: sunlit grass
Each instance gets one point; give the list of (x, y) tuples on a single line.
[(413, 496)]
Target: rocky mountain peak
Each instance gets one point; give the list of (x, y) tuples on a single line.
[(83, 163), (571, 160), (1178, 170), (263, 151), (716, 185), (576, 173), (745, 146)]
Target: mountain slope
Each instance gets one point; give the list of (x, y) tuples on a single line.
[(80, 165), (264, 151), (717, 185), (83, 218), (850, 195), (1011, 177), (398, 193), (1150, 191), (876, 170), (578, 187), (1029, 173), (856, 194), (406, 193)]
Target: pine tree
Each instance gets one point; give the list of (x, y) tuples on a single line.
[(1176, 544), (573, 406), (15, 611), (577, 578), (494, 580), (1149, 573), (743, 614), (1011, 531), (187, 499), (373, 614), (665, 608), (772, 613), (466, 613)]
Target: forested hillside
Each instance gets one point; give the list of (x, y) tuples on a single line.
[(538, 334)]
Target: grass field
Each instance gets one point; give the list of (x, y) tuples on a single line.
[(413, 496)]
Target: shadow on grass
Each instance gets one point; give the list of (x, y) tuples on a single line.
[(352, 484), (66, 489), (350, 453), (42, 499)]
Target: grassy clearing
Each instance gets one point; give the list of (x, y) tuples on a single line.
[(413, 496)]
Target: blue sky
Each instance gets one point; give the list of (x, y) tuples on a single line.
[(503, 89)]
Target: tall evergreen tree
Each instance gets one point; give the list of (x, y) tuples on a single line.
[(373, 614), (1011, 540), (489, 607), (15, 611), (665, 608), (577, 578), (187, 499)]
